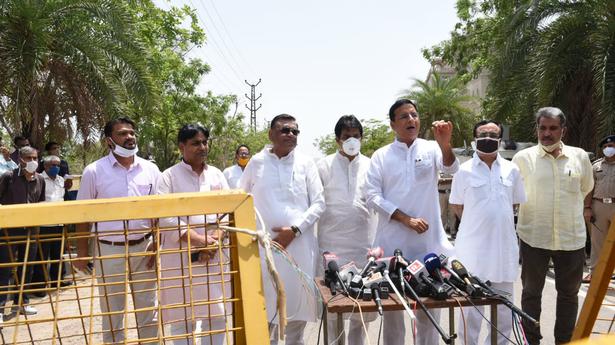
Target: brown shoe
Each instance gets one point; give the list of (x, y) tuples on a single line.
[(587, 279)]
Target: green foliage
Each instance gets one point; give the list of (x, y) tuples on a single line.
[(68, 65), (443, 99), (540, 53), (376, 134)]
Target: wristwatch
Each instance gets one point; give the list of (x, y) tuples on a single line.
[(296, 230)]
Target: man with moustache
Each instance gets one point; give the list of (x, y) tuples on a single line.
[(557, 178), (289, 196), (120, 174), (402, 186)]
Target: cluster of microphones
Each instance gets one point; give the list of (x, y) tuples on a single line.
[(436, 277)]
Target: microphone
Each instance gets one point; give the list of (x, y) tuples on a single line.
[(376, 294), (432, 263), (460, 269), (372, 255), (333, 272)]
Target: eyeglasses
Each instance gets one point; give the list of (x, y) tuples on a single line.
[(492, 135), (288, 130)]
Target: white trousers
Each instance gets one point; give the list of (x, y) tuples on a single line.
[(356, 334), (394, 331), (112, 296), (186, 328), (292, 336), (473, 320)]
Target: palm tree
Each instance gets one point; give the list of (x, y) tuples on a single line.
[(557, 53), (443, 98), (66, 66)]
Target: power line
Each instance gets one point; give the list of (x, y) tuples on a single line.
[(217, 47), (241, 56)]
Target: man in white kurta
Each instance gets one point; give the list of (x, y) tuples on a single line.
[(483, 193), (234, 172), (402, 186), (289, 196), (346, 227), (201, 283)]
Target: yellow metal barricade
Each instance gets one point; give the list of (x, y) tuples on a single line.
[(598, 312), (216, 288)]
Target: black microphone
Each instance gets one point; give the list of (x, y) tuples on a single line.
[(332, 272), (461, 271), (376, 294)]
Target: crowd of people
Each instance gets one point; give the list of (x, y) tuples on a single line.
[(344, 203)]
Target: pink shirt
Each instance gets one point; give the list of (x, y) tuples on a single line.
[(202, 278), (107, 178)]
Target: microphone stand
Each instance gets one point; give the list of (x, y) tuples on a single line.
[(445, 337)]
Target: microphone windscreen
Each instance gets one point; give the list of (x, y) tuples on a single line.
[(333, 267), (432, 262), (459, 269)]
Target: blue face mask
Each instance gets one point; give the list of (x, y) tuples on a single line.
[(53, 171)]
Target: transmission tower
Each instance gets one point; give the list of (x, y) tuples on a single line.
[(252, 108)]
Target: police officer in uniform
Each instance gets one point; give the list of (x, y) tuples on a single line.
[(600, 203)]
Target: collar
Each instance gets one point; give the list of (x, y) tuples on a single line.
[(397, 143), (476, 159), (565, 151), (288, 157), (188, 167), (114, 161), (345, 159)]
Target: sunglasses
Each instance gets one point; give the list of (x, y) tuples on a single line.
[(288, 130)]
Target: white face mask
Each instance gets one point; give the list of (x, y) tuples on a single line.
[(552, 147), (609, 151), (124, 152), (351, 146), (31, 166)]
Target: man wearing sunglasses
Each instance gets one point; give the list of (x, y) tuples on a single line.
[(483, 193), (289, 195)]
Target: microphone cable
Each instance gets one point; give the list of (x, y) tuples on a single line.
[(489, 321), (380, 329), (463, 318)]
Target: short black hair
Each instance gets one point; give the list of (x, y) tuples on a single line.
[(281, 117), (51, 144), (239, 147), (111, 123), (398, 103), (485, 122), (19, 138), (189, 131), (347, 122)]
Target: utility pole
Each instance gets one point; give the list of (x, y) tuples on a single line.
[(253, 100)]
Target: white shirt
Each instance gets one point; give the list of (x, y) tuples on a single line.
[(406, 178), (232, 175), (199, 288), (346, 227), (54, 188), (287, 191), (486, 242), (107, 178)]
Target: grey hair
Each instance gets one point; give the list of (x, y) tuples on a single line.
[(26, 150), (50, 159), (551, 112)]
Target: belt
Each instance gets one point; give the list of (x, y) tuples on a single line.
[(443, 191), (130, 242), (605, 200)]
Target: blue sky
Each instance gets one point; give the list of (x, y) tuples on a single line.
[(318, 59)]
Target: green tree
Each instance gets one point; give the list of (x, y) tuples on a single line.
[(540, 53), (68, 65), (443, 99), (376, 134)]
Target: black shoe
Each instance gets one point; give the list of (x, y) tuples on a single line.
[(39, 294)]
